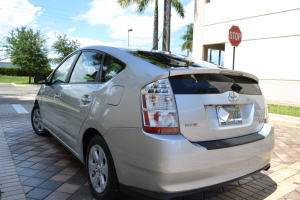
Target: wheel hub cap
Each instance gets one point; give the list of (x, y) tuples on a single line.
[(98, 168), (37, 120)]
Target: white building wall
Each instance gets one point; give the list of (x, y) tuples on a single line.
[(275, 58), (199, 28), (218, 11), (270, 42)]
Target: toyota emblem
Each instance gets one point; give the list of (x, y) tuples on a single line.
[(232, 96)]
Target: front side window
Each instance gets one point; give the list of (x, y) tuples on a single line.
[(61, 73), (87, 67), (111, 67)]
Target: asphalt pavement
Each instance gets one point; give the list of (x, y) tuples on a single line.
[(12, 89), (17, 99)]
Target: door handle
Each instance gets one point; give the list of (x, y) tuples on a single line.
[(56, 96), (86, 99)]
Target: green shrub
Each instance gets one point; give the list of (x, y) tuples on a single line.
[(19, 72), (9, 71)]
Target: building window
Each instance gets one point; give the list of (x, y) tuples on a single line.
[(215, 56)]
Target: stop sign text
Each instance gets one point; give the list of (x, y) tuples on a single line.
[(235, 36)]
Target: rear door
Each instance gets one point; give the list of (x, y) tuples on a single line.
[(77, 95), (215, 104)]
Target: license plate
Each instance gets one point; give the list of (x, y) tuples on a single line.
[(229, 115)]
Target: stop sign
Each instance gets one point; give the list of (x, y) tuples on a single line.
[(235, 36)]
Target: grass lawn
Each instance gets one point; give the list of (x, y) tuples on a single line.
[(284, 110), (15, 79)]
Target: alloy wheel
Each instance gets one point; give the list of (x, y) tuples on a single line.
[(37, 120), (98, 168)]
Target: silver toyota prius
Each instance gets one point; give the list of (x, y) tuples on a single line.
[(152, 123)]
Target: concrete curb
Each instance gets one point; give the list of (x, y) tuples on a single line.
[(284, 118), (24, 85)]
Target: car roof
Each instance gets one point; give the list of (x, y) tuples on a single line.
[(123, 53), (179, 58)]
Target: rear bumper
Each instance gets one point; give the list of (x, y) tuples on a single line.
[(170, 164), (145, 195)]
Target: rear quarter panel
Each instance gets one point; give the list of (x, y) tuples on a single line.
[(103, 116)]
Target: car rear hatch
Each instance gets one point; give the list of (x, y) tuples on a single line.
[(215, 104)]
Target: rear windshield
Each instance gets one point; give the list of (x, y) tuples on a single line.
[(213, 84), (163, 60)]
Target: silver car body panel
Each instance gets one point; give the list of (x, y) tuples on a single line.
[(115, 95), (201, 110), (160, 163), (170, 163), (74, 105), (48, 106)]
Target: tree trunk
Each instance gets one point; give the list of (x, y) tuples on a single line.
[(155, 28), (167, 24), (30, 74)]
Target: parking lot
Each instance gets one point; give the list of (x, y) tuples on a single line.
[(34, 167)]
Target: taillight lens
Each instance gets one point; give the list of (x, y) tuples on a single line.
[(159, 108)]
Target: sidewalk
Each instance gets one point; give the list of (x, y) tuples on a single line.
[(285, 120), (10, 185)]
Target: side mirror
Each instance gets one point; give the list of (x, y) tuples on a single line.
[(40, 79)]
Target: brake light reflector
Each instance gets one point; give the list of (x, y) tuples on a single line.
[(159, 109)]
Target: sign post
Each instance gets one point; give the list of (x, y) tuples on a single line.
[(235, 38)]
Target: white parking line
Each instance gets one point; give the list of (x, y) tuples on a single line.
[(19, 108)]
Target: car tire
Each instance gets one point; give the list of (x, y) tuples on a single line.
[(37, 123), (101, 171)]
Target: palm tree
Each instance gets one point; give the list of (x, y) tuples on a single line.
[(188, 38), (167, 21), (142, 5)]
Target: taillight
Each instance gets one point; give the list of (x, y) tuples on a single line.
[(159, 109)]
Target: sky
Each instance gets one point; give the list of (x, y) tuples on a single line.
[(92, 22)]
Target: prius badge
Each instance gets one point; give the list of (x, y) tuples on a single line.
[(191, 125), (232, 96)]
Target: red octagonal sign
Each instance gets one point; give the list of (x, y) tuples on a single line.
[(235, 36)]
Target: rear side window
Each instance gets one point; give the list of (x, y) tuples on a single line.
[(87, 67), (213, 84), (111, 67)]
